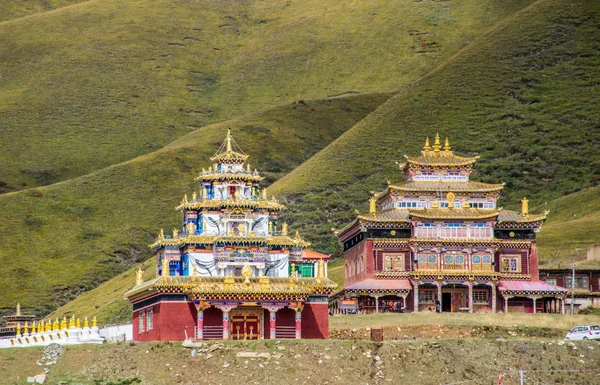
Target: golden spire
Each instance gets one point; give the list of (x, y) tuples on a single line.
[(525, 206), (372, 206), (49, 325), (204, 193), (436, 144), (94, 323), (33, 328), (447, 145), (139, 276), (26, 329), (194, 196), (165, 267), (248, 168), (161, 234), (72, 322), (297, 238), (63, 323), (264, 193), (185, 200), (42, 327), (86, 323), (229, 149), (55, 325), (78, 324), (18, 308), (18, 329), (426, 147)]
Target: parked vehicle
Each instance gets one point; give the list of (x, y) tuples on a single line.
[(584, 332)]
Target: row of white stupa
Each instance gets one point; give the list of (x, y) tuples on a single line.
[(55, 333)]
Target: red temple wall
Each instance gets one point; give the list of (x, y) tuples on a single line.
[(533, 262), (285, 317), (359, 254), (266, 324), (315, 321), (169, 322)]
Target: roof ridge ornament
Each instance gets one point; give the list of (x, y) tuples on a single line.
[(436, 144), (426, 148), (447, 145)]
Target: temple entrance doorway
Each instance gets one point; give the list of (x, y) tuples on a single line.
[(455, 298), (446, 302), (246, 323)]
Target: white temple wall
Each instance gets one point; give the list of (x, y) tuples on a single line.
[(204, 264)]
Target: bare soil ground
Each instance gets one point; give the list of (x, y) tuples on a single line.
[(313, 362)]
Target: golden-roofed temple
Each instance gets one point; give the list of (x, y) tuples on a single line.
[(439, 241), (232, 269)]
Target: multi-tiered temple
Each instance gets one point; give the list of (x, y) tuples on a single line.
[(232, 271), (439, 240)]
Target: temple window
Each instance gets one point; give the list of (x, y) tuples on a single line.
[(409, 204), (393, 262), (511, 264), (141, 326), (426, 230), (454, 261), (481, 262), (306, 269), (149, 320), (481, 296), (427, 261), (454, 230), (481, 230), (551, 281), (426, 296), (581, 282)]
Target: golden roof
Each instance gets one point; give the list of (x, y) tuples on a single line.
[(278, 240), (453, 213), (513, 216), (233, 203), (390, 215), (445, 186), (207, 285), (439, 157)]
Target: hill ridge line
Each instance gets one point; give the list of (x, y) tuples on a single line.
[(440, 67), (16, 19), (173, 143)]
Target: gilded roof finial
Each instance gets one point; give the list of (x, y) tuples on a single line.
[(185, 200), (426, 147), (372, 206), (204, 193), (161, 234), (265, 193), (229, 149), (436, 144), (284, 229), (297, 238), (139, 276), (175, 232), (450, 197), (248, 168), (447, 145), (525, 206), (321, 269), (195, 196), (165, 268)]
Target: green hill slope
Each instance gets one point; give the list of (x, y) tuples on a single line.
[(61, 240), (572, 226), (100, 83), (12, 9), (523, 97)]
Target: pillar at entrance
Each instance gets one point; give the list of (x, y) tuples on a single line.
[(225, 324), (272, 324), (376, 303), (298, 323), (416, 299), (470, 298), (562, 306), (493, 298), (200, 325)]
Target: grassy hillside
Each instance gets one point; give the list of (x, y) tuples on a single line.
[(523, 97), (572, 226), (88, 86), (61, 240), (12, 9)]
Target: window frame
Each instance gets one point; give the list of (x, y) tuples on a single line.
[(398, 261), (481, 301), (149, 320), (427, 296), (509, 258), (142, 322)]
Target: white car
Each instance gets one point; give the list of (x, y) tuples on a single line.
[(585, 332)]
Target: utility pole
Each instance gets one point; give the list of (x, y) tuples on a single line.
[(522, 376), (573, 291)]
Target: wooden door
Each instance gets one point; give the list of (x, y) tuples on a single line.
[(251, 328), (237, 328)]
